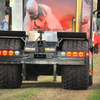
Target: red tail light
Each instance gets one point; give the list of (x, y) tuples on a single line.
[(69, 53), (81, 54), (87, 54), (4, 52), (11, 53), (75, 54)]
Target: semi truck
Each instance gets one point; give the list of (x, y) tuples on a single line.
[(47, 37)]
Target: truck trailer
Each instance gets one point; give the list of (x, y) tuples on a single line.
[(47, 37)]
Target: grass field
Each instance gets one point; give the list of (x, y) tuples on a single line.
[(95, 95)]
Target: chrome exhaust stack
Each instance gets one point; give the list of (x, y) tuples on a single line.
[(78, 16)]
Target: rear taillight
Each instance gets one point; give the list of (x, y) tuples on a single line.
[(76, 54), (69, 53), (81, 54), (87, 54), (11, 53), (6, 52)]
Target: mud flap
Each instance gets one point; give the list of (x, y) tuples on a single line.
[(95, 49)]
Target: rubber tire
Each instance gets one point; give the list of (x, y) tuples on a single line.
[(75, 77), (10, 75), (11, 44)]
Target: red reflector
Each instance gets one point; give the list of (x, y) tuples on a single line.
[(87, 54), (75, 54), (93, 72), (11, 53), (0, 52), (69, 53), (81, 54), (5, 52)]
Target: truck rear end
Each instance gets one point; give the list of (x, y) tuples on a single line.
[(47, 38)]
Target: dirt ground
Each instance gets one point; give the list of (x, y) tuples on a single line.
[(48, 90)]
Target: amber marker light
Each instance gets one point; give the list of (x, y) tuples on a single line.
[(69, 53), (0, 52), (81, 54), (4, 52), (75, 54), (11, 53)]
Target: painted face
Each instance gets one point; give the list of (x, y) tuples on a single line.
[(33, 13)]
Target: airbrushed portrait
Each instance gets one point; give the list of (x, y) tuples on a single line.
[(39, 16), (54, 14)]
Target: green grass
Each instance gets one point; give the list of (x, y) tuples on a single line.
[(50, 79), (30, 94), (24, 93), (96, 61), (95, 95)]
